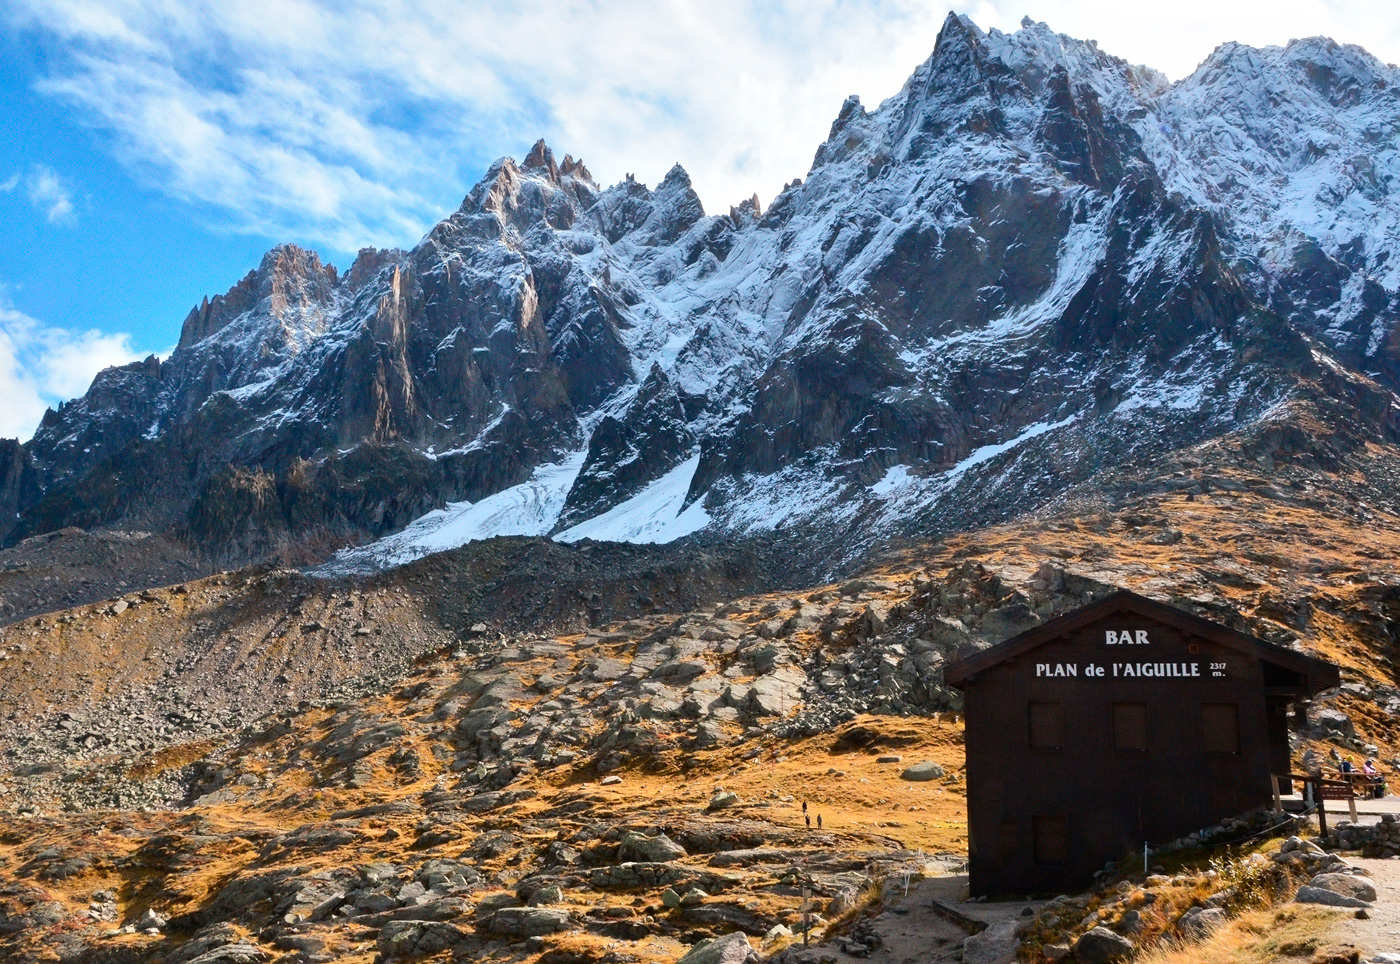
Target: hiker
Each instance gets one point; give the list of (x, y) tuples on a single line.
[(1375, 783), (808, 818), (804, 806), (819, 821)]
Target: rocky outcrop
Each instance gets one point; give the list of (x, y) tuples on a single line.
[(625, 454), (19, 484)]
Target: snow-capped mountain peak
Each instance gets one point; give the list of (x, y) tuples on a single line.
[(1032, 263)]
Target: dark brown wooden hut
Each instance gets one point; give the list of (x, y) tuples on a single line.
[(1125, 722)]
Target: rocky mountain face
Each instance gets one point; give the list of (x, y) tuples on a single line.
[(1033, 264)]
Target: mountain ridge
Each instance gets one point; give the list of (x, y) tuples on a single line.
[(1034, 261)]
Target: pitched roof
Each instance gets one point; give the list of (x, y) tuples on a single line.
[(1318, 673)]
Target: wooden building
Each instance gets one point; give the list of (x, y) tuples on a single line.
[(1122, 723)]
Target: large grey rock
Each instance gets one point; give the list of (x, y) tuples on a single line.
[(723, 800), (1347, 885), (402, 938), (778, 693), (995, 945), (239, 953), (729, 949), (1308, 894), (479, 721), (1101, 946), (755, 855), (1332, 723), (152, 919), (1198, 922), (922, 772), (490, 903), (606, 670), (445, 908), (710, 732), (206, 939), (527, 921), (658, 849), (552, 894), (680, 672), (766, 658), (1008, 621)]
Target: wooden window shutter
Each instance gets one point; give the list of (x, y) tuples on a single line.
[(1220, 727), (1047, 726), (1130, 727)]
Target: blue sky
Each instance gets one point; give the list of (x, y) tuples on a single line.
[(154, 149)]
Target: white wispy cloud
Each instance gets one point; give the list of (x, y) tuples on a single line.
[(344, 123), (47, 192), (42, 365)]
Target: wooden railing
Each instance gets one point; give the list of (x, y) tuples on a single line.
[(1323, 789)]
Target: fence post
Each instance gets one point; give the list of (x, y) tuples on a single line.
[(1351, 799), (1321, 805), (806, 912), (1278, 803)]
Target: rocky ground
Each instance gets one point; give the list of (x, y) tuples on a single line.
[(73, 567), (525, 751), (149, 669)]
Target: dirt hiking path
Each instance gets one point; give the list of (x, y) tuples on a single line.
[(1379, 934)]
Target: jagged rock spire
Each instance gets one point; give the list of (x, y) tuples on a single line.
[(541, 158)]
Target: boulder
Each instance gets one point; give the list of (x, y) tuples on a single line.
[(723, 800), (1130, 923), (777, 693), (445, 908), (1101, 946), (239, 953), (729, 949), (754, 855), (152, 919), (1198, 922), (1308, 894), (659, 849), (403, 938), (766, 658), (209, 938), (552, 894), (922, 772), (680, 672), (1348, 885), (527, 921), (707, 733), (1008, 621), (491, 903), (726, 918), (1332, 724), (997, 944)]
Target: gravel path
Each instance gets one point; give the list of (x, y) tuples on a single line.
[(1381, 932), (914, 933)]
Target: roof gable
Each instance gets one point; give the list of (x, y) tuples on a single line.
[(1318, 673)]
